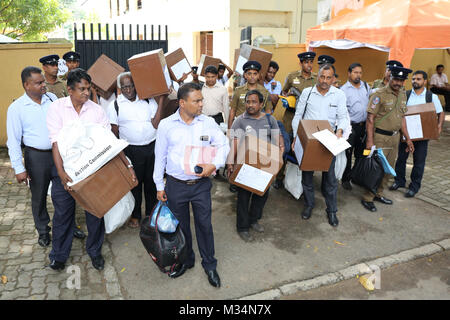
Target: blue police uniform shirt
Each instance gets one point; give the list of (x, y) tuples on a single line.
[(420, 99), (26, 120), (172, 138)]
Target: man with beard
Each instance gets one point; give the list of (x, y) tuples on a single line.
[(54, 84), (357, 93), (386, 117), (322, 102), (419, 95), (381, 83)]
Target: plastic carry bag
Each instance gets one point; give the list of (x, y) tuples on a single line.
[(386, 166), (293, 180), (368, 172), (119, 214), (166, 221), (340, 164)]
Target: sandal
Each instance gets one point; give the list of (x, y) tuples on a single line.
[(133, 223)]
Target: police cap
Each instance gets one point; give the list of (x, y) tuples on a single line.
[(306, 55), (71, 56), (50, 59), (393, 63), (325, 59), (251, 65), (400, 72)]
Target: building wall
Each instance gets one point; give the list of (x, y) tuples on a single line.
[(13, 58)]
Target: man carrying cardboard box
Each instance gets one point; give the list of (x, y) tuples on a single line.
[(253, 121), (62, 112), (322, 102), (419, 95)]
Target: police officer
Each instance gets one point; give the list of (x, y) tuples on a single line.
[(72, 59), (325, 59), (380, 83), (54, 84), (385, 118), (251, 73), (188, 127)]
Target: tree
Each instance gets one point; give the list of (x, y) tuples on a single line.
[(29, 19)]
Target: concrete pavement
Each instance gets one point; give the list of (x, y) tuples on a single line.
[(290, 251)]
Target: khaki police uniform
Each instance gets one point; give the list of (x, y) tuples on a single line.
[(295, 79), (59, 88), (238, 100), (378, 84), (389, 109)]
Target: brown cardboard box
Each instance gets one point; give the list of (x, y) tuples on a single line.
[(316, 157), (150, 73), (178, 58), (264, 57), (104, 74), (99, 192), (428, 118), (207, 61), (259, 154)]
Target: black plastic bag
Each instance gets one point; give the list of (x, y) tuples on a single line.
[(368, 172), (165, 249)]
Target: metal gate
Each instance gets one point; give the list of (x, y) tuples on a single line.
[(117, 46)]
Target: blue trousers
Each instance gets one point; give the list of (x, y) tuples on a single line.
[(179, 196), (419, 157), (64, 222)]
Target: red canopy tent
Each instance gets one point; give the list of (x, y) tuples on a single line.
[(399, 26)]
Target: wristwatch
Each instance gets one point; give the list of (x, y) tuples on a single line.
[(130, 166)]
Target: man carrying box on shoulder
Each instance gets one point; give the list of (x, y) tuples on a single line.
[(256, 122), (322, 102), (60, 113)]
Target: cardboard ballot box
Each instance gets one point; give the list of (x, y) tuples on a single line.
[(104, 74), (177, 64), (258, 163), (316, 157), (247, 53), (422, 122), (207, 61), (150, 74), (99, 192)]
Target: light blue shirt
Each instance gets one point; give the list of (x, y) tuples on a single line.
[(332, 107), (26, 120), (172, 138), (277, 89), (357, 101), (420, 99)]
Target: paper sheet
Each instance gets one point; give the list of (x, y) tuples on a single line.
[(298, 150), (167, 76), (239, 65), (253, 177), (331, 142), (180, 67), (414, 126)]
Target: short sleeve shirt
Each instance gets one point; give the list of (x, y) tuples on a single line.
[(295, 79), (245, 124), (385, 103), (59, 88)]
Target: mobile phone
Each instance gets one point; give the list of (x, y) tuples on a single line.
[(198, 169)]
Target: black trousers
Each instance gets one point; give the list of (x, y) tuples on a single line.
[(64, 222), (356, 140), (39, 166), (419, 157), (143, 160), (246, 216), (179, 196), (329, 188), (444, 93)]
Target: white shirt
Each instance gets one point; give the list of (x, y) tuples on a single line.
[(420, 99), (332, 107), (215, 100), (268, 86), (134, 119), (105, 103), (224, 80), (439, 80)]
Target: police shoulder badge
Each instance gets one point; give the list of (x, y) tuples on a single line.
[(375, 101)]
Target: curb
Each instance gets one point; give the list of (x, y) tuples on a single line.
[(352, 271)]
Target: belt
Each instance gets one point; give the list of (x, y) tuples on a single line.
[(40, 150), (188, 182), (144, 145), (358, 123), (386, 133)]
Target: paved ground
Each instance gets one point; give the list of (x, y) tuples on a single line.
[(290, 250)]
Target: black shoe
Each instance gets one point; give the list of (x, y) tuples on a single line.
[(306, 214), (180, 270), (332, 219), (213, 278), (369, 205), (77, 233), (278, 184), (410, 194), (257, 227), (233, 188), (57, 265), (44, 240), (347, 185), (383, 200), (395, 186), (98, 262), (245, 236)]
